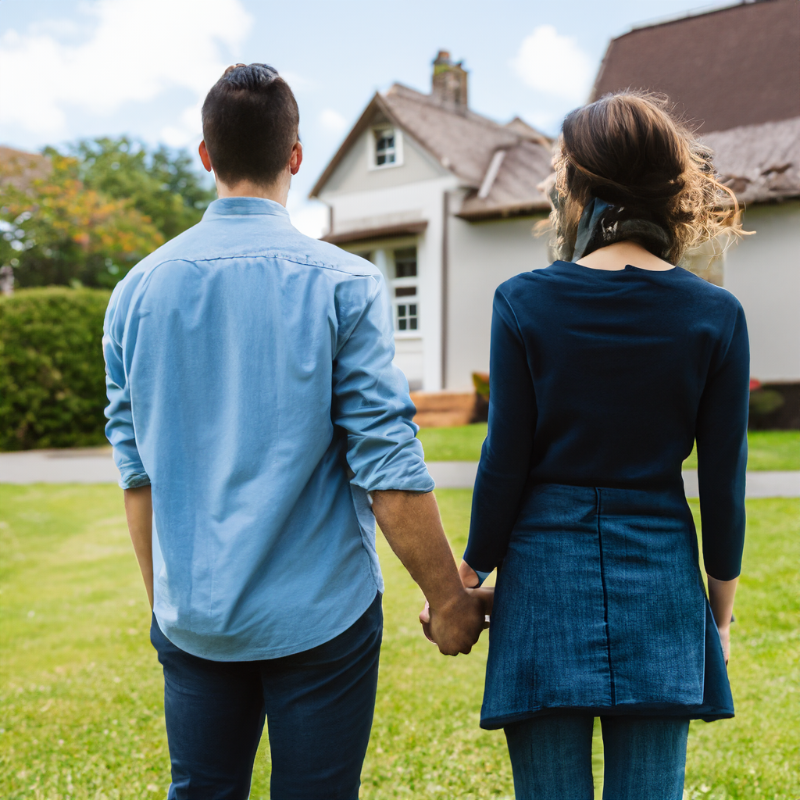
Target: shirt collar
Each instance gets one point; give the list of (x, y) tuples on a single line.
[(241, 206)]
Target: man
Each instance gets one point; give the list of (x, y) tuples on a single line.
[(260, 429)]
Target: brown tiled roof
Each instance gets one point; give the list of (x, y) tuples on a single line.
[(735, 66), (19, 168), (461, 140), (464, 143), (380, 232), (514, 189), (759, 162)]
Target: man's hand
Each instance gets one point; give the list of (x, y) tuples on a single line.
[(411, 524), (455, 626), (438, 632)]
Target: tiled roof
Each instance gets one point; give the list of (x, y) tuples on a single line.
[(759, 162), (724, 69), (460, 139)]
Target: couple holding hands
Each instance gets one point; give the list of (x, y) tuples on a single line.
[(260, 430)]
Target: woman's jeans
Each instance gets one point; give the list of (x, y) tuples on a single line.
[(318, 704), (551, 756)]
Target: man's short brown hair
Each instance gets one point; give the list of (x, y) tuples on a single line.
[(250, 122)]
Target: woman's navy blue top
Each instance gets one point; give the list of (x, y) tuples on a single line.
[(606, 379)]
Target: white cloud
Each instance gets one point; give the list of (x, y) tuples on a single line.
[(135, 50), (555, 64), (332, 121)]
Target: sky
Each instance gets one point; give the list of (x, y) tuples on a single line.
[(71, 69)]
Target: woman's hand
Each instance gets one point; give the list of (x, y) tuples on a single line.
[(469, 578), (470, 581), (725, 641), (486, 598), (720, 598)]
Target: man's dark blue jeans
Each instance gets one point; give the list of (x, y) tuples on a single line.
[(319, 706)]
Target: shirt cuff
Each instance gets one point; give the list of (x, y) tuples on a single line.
[(134, 480)]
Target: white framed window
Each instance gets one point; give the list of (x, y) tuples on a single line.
[(404, 285), (385, 147)]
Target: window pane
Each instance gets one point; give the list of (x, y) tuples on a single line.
[(412, 311), (401, 324), (401, 311), (390, 157), (381, 159), (405, 291), (405, 262), (413, 323)]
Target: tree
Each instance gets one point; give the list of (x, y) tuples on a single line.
[(55, 230), (160, 183)]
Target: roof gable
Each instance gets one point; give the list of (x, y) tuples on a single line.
[(460, 140), (355, 173)]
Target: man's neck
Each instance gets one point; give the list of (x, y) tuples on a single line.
[(277, 192)]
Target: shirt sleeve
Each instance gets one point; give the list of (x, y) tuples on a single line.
[(119, 429), (506, 455), (372, 404), (721, 436)]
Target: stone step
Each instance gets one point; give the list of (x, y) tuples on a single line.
[(443, 409)]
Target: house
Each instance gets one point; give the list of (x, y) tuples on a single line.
[(443, 201), (734, 72)]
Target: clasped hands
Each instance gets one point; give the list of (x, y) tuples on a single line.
[(457, 624)]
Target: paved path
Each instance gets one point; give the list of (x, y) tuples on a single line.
[(461, 475), (95, 465), (89, 465)]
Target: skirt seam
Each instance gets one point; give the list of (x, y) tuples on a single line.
[(605, 599)]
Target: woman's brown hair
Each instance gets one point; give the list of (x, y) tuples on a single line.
[(630, 150)]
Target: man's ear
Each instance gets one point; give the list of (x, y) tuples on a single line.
[(203, 150), (296, 158)]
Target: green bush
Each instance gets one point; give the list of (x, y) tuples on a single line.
[(52, 376)]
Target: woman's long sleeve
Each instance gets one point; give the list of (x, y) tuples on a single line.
[(722, 455), (505, 458)]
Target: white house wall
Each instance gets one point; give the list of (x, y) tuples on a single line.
[(353, 173), (763, 271), (421, 201), (482, 256)]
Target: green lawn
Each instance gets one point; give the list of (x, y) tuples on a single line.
[(769, 450), (80, 687)]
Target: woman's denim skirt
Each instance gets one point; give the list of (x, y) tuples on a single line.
[(600, 609)]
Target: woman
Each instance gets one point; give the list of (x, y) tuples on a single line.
[(606, 367)]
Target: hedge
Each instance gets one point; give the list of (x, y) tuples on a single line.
[(52, 376)]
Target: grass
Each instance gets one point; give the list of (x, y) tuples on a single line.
[(81, 697), (769, 450)]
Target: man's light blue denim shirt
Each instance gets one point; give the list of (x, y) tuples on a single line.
[(250, 382)]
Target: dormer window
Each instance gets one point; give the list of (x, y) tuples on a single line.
[(386, 148), (385, 152)]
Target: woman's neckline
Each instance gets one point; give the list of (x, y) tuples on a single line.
[(626, 268)]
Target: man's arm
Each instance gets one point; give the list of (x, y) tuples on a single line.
[(119, 430), (411, 524), (139, 511)]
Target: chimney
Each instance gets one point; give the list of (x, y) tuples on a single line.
[(449, 86)]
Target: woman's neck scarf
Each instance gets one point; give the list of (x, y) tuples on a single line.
[(602, 223)]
